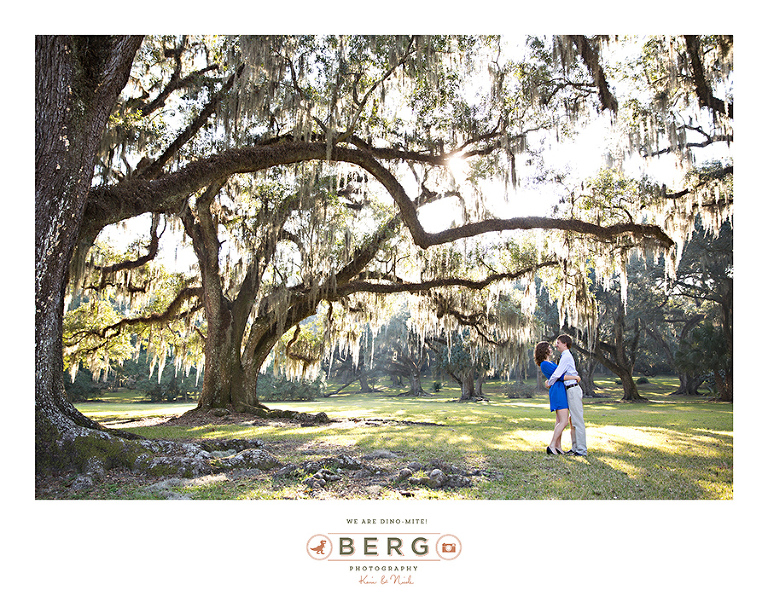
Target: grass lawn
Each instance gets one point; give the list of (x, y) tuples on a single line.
[(670, 447), (127, 405)]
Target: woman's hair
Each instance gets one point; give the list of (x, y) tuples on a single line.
[(541, 351)]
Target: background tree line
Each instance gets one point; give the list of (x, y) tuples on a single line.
[(665, 328)]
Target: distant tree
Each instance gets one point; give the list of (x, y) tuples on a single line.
[(689, 383), (616, 335), (706, 351), (707, 275), (701, 290), (401, 352), (355, 361), (457, 359)]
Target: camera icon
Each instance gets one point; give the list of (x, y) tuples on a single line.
[(448, 547)]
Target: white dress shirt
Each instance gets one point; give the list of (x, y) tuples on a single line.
[(566, 366)]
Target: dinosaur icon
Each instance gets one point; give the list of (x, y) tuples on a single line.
[(320, 549)]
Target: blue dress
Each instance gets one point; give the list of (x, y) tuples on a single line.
[(558, 399)]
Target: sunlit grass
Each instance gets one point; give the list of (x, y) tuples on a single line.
[(119, 411), (130, 404), (670, 447)]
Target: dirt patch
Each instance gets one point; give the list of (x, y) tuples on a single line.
[(214, 417), (208, 418)]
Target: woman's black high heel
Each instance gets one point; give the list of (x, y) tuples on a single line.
[(550, 452), (559, 451)]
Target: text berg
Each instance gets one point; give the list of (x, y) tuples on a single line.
[(394, 545)]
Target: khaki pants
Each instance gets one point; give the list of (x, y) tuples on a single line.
[(576, 410)]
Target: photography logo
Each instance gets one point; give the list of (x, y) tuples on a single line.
[(408, 547), (383, 558)]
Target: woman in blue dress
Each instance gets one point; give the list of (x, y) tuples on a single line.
[(558, 401)]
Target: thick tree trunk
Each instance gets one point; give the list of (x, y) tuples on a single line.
[(415, 381), (616, 357), (628, 383), (724, 384), (223, 375), (403, 365), (77, 82), (467, 380), (225, 382), (479, 384), (689, 384), (362, 376), (621, 367)]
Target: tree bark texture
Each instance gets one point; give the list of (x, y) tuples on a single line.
[(77, 82)]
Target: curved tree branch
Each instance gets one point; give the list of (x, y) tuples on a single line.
[(106, 271), (171, 313), (592, 62), (111, 204), (704, 179), (416, 287), (153, 169), (176, 82), (708, 140), (703, 90)]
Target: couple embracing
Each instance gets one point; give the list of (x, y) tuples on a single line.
[(564, 395)]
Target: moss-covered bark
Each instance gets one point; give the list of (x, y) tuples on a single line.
[(62, 444)]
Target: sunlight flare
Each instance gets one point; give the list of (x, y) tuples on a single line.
[(459, 168)]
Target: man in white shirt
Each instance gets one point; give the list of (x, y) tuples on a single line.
[(574, 394)]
